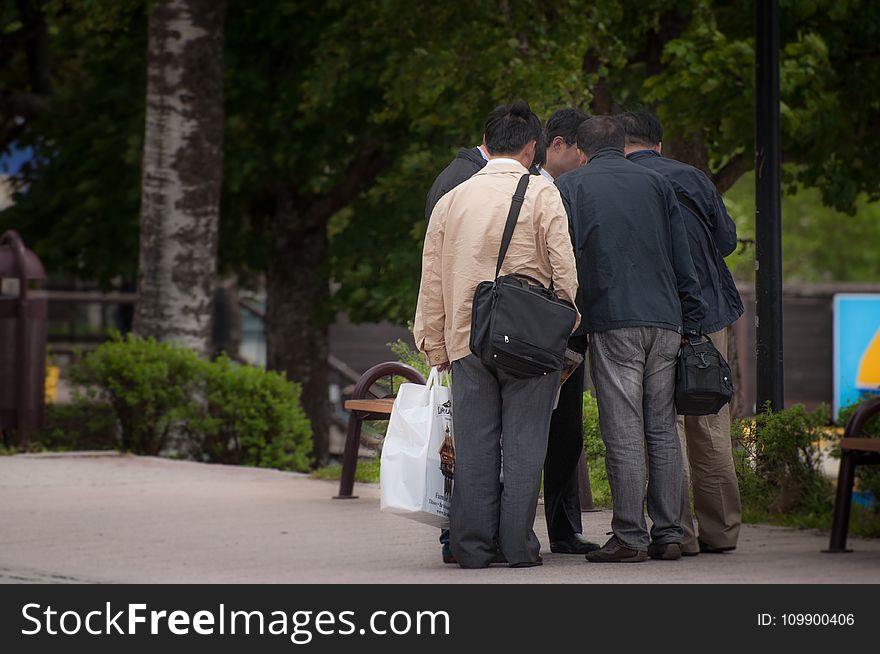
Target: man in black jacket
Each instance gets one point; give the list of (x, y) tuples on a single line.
[(466, 163), (638, 290), (562, 506), (708, 459)]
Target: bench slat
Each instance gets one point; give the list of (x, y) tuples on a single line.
[(371, 406), (860, 444)]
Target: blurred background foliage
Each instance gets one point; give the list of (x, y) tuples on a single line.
[(310, 85)]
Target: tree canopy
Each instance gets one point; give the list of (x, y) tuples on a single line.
[(356, 106)]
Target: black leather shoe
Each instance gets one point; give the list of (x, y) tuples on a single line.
[(449, 559), (574, 544)]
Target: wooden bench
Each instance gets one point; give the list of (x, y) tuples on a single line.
[(364, 405), (855, 449)]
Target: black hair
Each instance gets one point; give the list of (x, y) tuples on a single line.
[(510, 127), (641, 128), (600, 132), (564, 123)]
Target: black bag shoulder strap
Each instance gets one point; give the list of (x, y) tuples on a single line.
[(690, 204), (513, 215)]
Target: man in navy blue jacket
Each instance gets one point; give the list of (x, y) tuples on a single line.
[(705, 439), (637, 292)]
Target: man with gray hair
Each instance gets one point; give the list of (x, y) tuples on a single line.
[(639, 291)]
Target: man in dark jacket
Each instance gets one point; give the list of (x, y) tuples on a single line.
[(638, 290), (562, 506), (708, 459), (466, 163)]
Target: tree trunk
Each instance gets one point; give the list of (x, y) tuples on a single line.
[(182, 172), (297, 334)]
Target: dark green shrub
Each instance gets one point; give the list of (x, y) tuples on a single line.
[(216, 411), (150, 386), (778, 461), (84, 425), (250, 416)]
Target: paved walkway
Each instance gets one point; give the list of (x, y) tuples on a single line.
[(110, 518)]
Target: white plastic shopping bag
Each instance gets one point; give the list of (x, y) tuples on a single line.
[(418, 449)]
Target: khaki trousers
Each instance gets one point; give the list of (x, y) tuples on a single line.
[(710, 474)]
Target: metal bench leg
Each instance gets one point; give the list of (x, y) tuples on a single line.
[(350, 457), (843, 503)]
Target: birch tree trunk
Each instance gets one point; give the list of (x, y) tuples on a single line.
[(182, 172)]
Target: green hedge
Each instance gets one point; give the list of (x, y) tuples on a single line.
[(162, 395)]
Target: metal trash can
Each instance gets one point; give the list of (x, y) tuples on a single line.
[(23, 325)]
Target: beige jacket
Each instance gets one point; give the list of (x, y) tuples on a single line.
[(461, 250)]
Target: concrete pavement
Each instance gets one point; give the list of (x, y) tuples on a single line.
[(127, 519)]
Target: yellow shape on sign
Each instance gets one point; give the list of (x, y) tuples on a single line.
[(868, 377)]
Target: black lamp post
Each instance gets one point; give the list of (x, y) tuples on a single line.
[(768, 210)]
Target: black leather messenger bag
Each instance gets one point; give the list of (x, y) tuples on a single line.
[(517, 325), (703, 381)]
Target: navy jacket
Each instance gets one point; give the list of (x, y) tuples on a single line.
[(634, 265), (711, 234), (466, 163)]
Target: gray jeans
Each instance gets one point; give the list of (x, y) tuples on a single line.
[(492, 410), (633, 370)]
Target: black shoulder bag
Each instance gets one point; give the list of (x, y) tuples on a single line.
[(517, 325), (703, 383)]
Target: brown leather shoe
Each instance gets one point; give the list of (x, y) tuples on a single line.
[(616, 552), (665, 552)]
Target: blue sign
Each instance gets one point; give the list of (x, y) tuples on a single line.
[(856, 348)]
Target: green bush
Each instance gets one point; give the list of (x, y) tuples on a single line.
[(367, 472), (150, 386), (778, 461), (84, 425), (594, 450), (216, 411), (251, 417)]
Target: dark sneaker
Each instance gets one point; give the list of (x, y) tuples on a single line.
[(447, 555), (574, 544), (665, 552), (616, 552)]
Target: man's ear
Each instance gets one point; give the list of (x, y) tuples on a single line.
[(660, 147), (558, 142), (582, 161)]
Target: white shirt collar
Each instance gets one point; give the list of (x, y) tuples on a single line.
[(545, 174), (503, 160), (482, 153)]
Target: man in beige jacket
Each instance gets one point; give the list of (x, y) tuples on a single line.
[(491, 408)]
